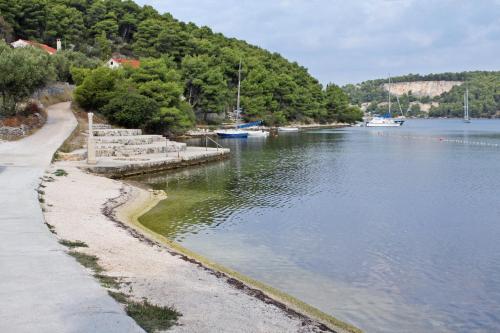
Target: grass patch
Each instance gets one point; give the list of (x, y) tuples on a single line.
[(149, 316), (86, 260), (72, 244), (152, 317), (92, 262), (108, 281), (52, 229), (60, 173), (41, 200), (119, 297)]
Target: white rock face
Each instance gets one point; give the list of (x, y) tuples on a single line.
[(422, 88)]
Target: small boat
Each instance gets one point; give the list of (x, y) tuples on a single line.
[(466, 106), (232, 133), (384, 122), (235, 133), (288, 129), (258, 134), (387, 120)]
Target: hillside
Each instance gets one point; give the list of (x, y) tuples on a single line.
[(434, 95), (421, 88), (197, 64)]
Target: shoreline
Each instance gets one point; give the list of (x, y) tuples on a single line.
[(141, 203), (119, 205)]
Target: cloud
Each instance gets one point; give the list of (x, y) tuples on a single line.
[(349, 41)]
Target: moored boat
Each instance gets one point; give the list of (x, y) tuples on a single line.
[(258, 133), (288, 129), (236, 133), (387, 120), (384, 122), (232, 133)]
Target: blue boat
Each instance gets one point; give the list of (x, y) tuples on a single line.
[(232, 133)]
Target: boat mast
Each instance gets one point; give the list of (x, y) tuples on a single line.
[(466, 103), (390, 113), (467, 97), (239, 90)]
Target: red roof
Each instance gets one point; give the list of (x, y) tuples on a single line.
[(131, 62), (46, 48)]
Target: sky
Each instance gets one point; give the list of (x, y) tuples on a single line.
[(349, 41)]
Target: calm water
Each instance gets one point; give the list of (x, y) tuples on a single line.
[(394, 230)]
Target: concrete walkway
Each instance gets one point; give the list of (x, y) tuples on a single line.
[(42, 289)]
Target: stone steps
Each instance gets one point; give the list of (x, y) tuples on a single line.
[(117, 132), (101, 126), (117, 150), (129, 140)]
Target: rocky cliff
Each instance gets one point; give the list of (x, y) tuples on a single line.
[(422, 88)]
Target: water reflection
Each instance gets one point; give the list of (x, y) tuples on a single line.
[(395, 231)]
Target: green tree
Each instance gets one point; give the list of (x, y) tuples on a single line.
[(6, 30), (64, 60), (205, 84), (31, 17), (338, 107), (97, 88), (64, 22), (172, 120), (108, 26), (104, 46), (130, 109), (146, 37), (23, 71)]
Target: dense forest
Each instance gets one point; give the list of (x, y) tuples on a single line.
[(484, 94), (186, 73)]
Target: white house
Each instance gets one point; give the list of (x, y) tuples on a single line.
[(28, 43), (114, 63)]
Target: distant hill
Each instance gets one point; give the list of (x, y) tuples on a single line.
[(434, 95)]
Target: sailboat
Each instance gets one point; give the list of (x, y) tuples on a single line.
[(466, 106), (236, 132), (386, 121)]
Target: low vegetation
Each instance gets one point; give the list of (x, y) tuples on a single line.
[(51, 228), (89, 261), (149, 316), (60, 173), (72, 244)]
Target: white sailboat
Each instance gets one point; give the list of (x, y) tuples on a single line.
[(387, 121), (466, 106), (236, 132), (288, 129)]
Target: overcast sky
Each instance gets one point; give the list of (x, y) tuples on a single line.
[(348, 41)]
